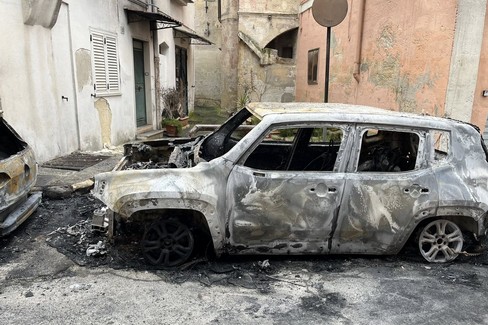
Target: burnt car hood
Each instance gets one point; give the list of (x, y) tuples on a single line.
[(18, 174), (130, 190)]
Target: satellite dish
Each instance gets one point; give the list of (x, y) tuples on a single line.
[(329, 13)]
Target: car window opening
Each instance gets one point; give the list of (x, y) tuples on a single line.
[(9, 142), (441, 142), (297, 149), (388, 151)]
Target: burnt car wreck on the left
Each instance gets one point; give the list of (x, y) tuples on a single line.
[(308, 178), (18, 174)]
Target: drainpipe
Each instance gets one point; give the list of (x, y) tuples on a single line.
[(359, 46), (73, 73)]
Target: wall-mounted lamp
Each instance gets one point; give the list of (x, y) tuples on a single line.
[(484, 93)]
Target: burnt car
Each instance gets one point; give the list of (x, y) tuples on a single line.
[(308, 178), (18, 173)]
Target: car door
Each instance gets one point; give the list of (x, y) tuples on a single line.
[(284, 193), (388, 187)]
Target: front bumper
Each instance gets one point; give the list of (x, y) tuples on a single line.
[(103, 221), (19, 215)]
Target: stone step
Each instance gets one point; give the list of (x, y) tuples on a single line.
[(150, 135)]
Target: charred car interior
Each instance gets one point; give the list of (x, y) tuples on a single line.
[(18, 172), (308, 178)]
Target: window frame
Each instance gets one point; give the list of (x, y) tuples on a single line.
[(420, 163), (313, 61), (340, 164), (432, 161), (105, 63)]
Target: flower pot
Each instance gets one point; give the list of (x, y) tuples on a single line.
[(184, 120), (171, 130)]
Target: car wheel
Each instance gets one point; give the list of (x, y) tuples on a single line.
[(167, 242), (440, 241)]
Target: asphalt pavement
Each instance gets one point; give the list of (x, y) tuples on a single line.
[(46, 277)]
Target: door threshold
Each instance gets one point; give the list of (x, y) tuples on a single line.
[(144, 128)]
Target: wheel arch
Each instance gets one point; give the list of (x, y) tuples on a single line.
[(194, 219), (465, 223)]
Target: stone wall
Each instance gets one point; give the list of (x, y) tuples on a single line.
[(260, 73)]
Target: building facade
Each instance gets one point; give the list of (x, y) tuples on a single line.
[(86, 75), (413, 56), (253, 57)]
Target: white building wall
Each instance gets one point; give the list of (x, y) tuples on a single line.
[(46, 83), (114, 115), (28, 87)]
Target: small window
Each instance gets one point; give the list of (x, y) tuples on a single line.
[(441, 142), (105, 62), (313, 59), (297, 149), (286, 52), (388, 151)]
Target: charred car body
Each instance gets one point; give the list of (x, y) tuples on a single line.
[(308, 179), (18, 173)]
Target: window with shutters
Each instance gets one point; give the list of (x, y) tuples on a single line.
[(105, 62)]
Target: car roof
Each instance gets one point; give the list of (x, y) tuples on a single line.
[(260, 109), (347, 112)]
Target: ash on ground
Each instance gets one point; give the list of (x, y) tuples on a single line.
[(66, 225)]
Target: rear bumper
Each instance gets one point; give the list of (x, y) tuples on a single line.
[(19, 215)]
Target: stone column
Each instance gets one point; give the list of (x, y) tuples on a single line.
[(230, 54), (465, 59)]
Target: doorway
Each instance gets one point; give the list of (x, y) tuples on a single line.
[(182, 77), (139, 82)]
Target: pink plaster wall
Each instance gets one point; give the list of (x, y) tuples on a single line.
[(405, 60)]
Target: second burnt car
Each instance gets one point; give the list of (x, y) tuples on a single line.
[(308, 178), (18, 174)]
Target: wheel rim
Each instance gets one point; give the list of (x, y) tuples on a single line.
[(440, 241), (167, 243)]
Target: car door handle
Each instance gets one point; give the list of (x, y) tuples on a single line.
[(332, 190), (416, 188), (258, 174)]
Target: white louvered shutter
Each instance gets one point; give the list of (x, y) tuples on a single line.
[(112, 64), (105, 64)]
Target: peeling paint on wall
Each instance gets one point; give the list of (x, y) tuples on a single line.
[(83, 68), (386, 39), (387, 74), (406, 91), (105, 116)]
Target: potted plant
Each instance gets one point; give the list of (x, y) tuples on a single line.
[(172, 126), (184, 120), (173, 120)]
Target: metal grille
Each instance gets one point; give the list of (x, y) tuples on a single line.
[(75, 161)]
